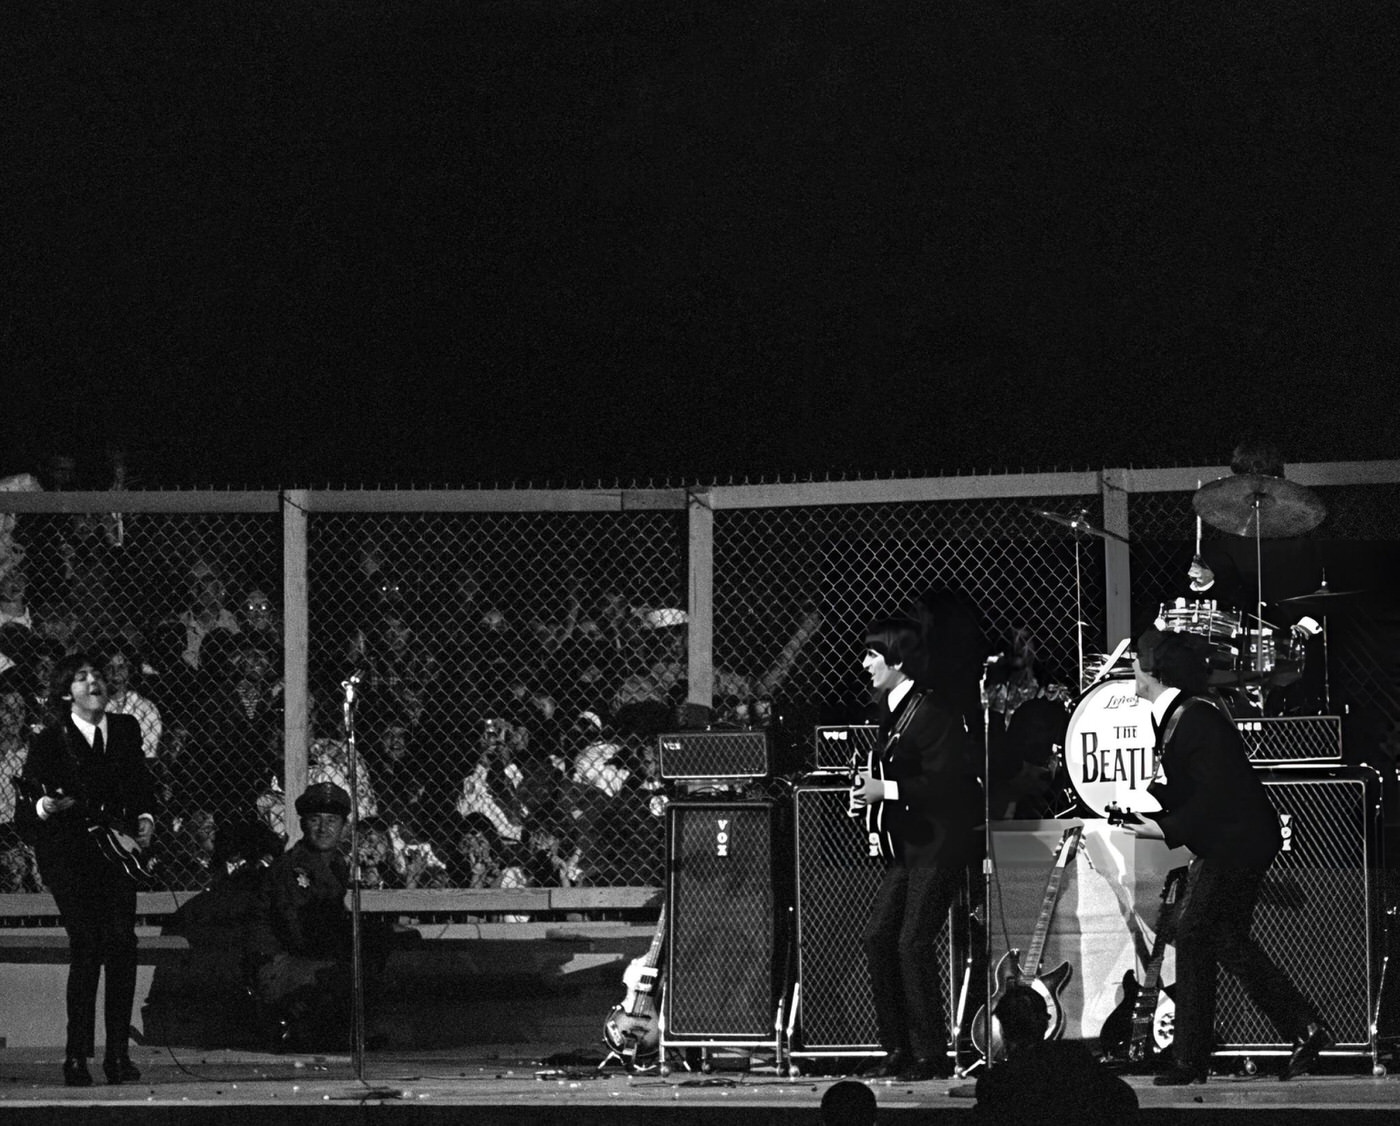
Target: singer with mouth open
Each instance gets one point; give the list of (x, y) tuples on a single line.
[(86, 772), (922, 802)]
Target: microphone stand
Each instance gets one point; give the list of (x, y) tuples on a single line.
[(357, 969), (988, 862)]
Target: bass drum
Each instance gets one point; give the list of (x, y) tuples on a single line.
[(1109, 748)]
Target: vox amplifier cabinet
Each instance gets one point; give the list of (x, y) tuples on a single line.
[(1319, 914), (836, 884), (1292, 740), (835, 747), (713, 754), (724, 925)]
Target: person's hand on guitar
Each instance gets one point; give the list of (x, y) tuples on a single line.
[(866, 790), (145, 833), (1146, 828), (50, 805)]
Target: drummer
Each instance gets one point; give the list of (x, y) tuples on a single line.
[(1227, 573)]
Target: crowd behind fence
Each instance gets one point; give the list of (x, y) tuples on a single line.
[(515, 653)]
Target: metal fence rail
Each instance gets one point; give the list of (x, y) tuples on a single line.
[(518, 650)]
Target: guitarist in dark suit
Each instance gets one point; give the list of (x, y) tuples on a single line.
[(1215, 804), (87, 767), (922, 801)]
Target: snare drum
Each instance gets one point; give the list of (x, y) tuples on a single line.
[(1221, 628), (1109, 748)]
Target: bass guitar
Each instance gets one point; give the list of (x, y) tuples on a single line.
[(1142, 1024), (986, 1029), (630, 1029), (117, 848)]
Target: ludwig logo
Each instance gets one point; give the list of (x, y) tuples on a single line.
[(722, 837), (1285, 821)]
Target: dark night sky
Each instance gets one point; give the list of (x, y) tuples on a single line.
[(294, 241)]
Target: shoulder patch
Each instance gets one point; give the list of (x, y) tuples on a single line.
[(303, 877)]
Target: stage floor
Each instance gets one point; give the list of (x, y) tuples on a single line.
[(522, 1084)]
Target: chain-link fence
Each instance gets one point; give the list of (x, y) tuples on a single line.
[(515, 655)]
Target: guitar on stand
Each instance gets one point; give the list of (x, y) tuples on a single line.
[(986, 1029), (630, 1030), (1141, 1026)]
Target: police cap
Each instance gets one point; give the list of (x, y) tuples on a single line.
[(323, 797)]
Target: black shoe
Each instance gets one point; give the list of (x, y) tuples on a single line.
[(922, 1068), (884, 1067), (1178, 1076), (120, 1069), (76, 1073), (1311, 1044)]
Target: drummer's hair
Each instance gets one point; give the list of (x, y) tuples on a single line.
[(1180, 660), (1256, 458), (896, 639)]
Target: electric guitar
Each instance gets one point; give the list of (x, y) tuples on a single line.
[(1142, 1025), (986, 1034), (119, 849), (631, 1028)]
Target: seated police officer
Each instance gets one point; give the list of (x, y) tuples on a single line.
[(301, 937)]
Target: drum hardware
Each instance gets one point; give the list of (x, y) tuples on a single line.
[(1323, 599), (1079, 525)]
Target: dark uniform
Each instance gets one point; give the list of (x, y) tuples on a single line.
[(300, 945)]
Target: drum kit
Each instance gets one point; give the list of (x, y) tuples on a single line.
[(1108, 751)]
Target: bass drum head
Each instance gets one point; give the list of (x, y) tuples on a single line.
[(1109, 748)]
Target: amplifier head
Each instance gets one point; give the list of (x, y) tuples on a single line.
[(713, 754), (835, 746)]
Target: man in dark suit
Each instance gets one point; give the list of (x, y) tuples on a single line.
[(1214, 804), (88, 767), (922, 801)]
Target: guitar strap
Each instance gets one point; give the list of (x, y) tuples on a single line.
[(1169, 729)]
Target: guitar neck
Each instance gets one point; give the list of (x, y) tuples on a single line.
[(1031, 965)]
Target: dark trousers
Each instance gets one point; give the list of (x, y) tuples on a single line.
[(901, 951), (1214, 917), (98, 908)]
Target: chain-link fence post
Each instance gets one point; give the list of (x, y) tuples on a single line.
[(295, 653)]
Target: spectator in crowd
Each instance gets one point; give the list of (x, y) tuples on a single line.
[(18, 869), (14, 606), (553, 859), (206, 612), (494, 787), (258, 618), (627, 841), (123, 669), (476, 854), (1046, 1080), (402, 774), (184, 857), (235, 726), (848, 1102)]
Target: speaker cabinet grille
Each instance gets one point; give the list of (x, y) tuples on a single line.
[(713, 754), (836, 885), (1317, 915), (835, 747), (1288, 740), (722, 923)]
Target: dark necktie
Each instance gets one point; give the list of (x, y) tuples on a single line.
[(99, 746)]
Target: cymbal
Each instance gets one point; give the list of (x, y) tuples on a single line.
[(1076, 523), (1280, 507), (1323, 596)]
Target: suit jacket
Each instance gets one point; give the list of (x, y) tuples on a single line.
[(115, 787), (1213, 801), (940, 799)]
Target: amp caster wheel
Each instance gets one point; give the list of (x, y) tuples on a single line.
[(1248, 1067), (1378, 1070)]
